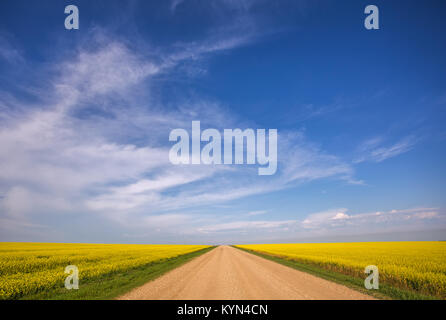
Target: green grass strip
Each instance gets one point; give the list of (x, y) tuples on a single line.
[(115, 284), (385, 291)]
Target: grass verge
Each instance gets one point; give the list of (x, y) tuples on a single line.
[(113, 285), (384, 292)]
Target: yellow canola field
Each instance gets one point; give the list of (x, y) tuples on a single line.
[(418, 266), (27, 268)]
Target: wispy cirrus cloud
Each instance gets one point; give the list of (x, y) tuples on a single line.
[(374, 149), (257, 212), (239, 226), (95, 141)]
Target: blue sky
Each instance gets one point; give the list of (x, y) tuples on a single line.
[(85, 117)]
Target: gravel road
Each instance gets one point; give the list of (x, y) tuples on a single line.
[(226, 273)]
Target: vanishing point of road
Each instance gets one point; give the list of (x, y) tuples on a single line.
[(226, 273)]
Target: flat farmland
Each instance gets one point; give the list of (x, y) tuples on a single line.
[(407, 270), (37, 270), (416, 267)]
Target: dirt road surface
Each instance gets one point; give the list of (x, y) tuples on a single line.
[(226, 273)]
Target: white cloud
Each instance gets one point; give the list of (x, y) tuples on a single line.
[(256, 213), (370, 222), (247, 226), (426, 215), (371, 150), (303, 161), (319, 219), (96, 142), (167, 220), (113, 68), (340, 216)]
